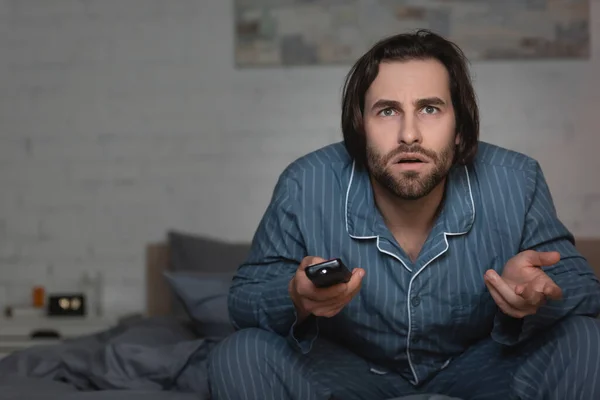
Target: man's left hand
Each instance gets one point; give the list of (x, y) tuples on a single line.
[(523, 286)]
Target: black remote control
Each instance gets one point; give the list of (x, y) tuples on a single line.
[(328, 273)]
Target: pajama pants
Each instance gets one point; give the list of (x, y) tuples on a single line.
[(562, 363)]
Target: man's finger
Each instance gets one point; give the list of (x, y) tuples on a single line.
[(546, 286), (502, 303), (324, 294), (534, 294), (322, 305), (541, 258), (542, 288), (552, 291), (507, 293), (353, 292), (344, 298), (351, 289), (356, 280), (336, 304), (327, 312), (519, 289), (335, 292), (307, 289)]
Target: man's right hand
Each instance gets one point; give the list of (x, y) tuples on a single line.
[(321, 302)]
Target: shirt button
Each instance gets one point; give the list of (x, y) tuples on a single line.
[(416, 339), (416, 301)]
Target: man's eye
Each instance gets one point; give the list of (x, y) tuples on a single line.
[(388, 112), (430, 109)]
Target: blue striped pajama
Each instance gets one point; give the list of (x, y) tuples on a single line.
[(422, 321)]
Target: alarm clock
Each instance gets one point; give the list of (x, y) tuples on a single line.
[(66, 305)]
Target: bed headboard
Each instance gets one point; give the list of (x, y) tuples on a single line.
[(590, 249), (158, 293)]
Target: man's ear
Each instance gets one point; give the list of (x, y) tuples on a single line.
[(457, 139)]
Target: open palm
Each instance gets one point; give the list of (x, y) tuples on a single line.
[(523, 286)]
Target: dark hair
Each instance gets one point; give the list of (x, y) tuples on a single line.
[(420, 45)]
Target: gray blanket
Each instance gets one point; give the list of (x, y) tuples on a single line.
[(150, 359), (158, 358)]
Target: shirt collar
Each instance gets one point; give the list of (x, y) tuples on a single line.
[(457, 215)]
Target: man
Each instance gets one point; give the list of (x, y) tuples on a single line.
[(465, 282)]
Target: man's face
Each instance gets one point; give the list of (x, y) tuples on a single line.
[(410, 127)]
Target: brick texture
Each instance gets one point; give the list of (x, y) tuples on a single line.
[(120, 120)]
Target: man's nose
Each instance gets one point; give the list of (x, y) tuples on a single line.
[(409, 131)]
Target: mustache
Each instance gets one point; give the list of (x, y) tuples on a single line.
[(411, 149)]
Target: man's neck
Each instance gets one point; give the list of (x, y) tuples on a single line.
[(410, 221)]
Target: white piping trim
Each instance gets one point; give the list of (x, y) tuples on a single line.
[(363, 237), (446, 363), (366, 237), (393, 255), (446, 234), (348, 196), (470, 194), (412, 368)]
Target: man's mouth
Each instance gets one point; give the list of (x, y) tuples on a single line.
[(410, 159)]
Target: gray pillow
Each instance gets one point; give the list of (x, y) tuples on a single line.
[(204, 298), (189, 252)]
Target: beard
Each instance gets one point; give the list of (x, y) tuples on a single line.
[(410, 185)]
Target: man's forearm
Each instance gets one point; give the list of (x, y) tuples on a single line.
[(266, 305), (269, 306), (581, 296)]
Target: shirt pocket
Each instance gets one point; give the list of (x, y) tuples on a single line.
[(475, 305), (468, 307), (473, 316)]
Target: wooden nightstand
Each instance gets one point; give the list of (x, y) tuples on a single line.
[(18, 333)]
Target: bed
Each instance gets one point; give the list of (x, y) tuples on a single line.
[(160, 355)]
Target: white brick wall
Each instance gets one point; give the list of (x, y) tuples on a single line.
[(120, 120)]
